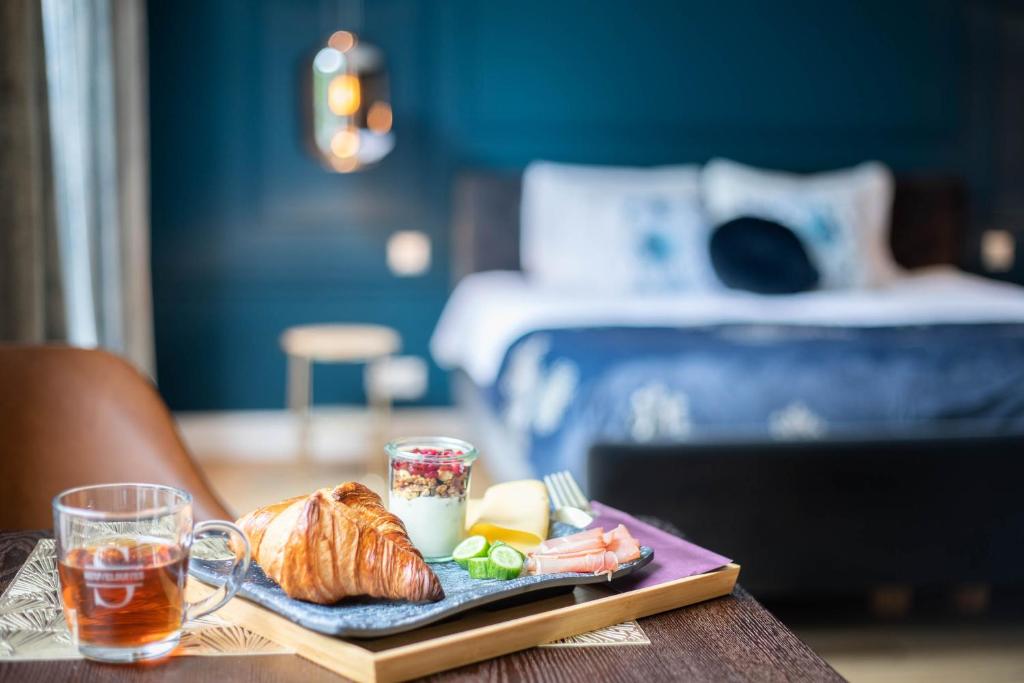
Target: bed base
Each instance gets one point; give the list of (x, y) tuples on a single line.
[(835, 517)]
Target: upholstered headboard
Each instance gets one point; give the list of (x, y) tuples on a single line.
[(929, 219)]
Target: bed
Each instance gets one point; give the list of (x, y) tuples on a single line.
[(887, 422)]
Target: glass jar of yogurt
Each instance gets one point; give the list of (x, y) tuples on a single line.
[(427, 487)]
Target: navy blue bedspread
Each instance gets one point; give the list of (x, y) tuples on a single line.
[(561, 390)]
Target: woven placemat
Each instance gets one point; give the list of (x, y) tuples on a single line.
[(32, 624)]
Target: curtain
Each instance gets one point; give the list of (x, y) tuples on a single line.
[(77, 252), (31, 304)]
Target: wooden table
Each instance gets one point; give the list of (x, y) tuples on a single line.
[(731, 638)]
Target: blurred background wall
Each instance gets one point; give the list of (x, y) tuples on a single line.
[(250, 235)]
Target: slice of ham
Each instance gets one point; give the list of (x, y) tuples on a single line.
[(589, 562), (625, 550), (589, 552), (580, 546), (575, 544), (618, 533), (620, 542), (593, 538)]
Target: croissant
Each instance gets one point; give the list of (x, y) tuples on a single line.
[(337, 543)]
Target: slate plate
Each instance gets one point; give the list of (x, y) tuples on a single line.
[(371, 618)]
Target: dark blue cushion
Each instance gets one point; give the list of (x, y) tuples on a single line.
[(761, 256)]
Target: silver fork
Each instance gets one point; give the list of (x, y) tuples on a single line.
[(571, 506)]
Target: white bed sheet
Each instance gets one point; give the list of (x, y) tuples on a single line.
[(489, 311)]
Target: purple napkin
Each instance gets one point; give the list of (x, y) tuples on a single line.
[(674, 558)]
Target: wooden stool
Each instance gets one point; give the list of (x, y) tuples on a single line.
[(336, 343)]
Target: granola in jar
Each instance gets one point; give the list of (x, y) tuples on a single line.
[(428, 485)]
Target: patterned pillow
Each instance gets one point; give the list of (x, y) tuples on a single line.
[(615, 230), (841, 217)]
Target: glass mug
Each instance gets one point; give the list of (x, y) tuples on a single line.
[(122, 563)]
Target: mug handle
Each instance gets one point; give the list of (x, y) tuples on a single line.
[(200, 608)]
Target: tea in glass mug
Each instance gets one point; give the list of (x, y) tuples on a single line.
[(122, 563)]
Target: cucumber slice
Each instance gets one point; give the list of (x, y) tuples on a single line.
[(479, 568), (474, 546), (499, 544), (505, 562)]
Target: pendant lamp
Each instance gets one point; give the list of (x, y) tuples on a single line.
[(350, 113)]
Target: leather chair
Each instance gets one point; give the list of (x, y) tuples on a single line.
[(71, 417)]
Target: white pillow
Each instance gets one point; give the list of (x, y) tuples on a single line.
[(842, 217), (614, 229)]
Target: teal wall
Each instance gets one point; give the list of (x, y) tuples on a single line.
[(251, 236)]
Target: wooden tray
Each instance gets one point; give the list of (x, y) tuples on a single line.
[(476, 635)]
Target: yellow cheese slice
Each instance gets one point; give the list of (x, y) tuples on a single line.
[(515, 512)]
